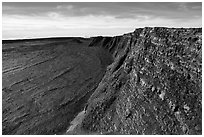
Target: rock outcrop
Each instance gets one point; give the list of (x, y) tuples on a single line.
[(144, 82), (153, 85)]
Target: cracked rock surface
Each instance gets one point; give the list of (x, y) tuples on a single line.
[(152, 87), (145, 82)]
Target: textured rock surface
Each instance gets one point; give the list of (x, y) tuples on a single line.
[(47, 82), (152, 87)]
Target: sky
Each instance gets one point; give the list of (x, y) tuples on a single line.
[(57, 19)]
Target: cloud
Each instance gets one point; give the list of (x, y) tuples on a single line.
[(74, 19), (54, 15), (114, 9), (68, 7)]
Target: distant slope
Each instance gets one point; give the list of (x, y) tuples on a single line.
[(46, 82)]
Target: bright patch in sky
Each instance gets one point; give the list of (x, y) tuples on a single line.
[(31, 20)]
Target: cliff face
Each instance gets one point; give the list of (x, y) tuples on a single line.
[(145, 82), (153, 85)]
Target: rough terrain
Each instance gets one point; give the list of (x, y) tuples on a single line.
[(144, 82), (46, 83), (152, 87)]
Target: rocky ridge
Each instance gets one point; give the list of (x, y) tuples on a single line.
[(144, 82), (153, 85)]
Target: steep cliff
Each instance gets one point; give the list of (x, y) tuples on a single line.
[(144, 82), (153, 85)]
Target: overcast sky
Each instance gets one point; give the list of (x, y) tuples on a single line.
[(31, 20)]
